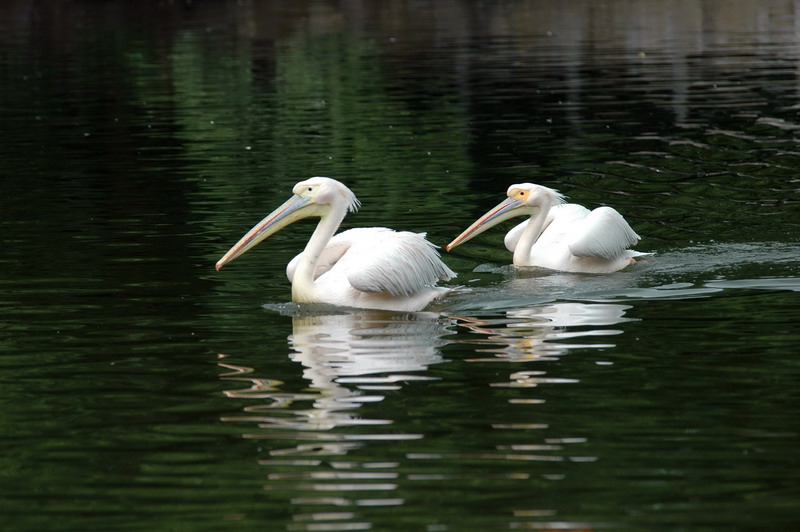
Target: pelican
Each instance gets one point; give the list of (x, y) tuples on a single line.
[(558, 235), (369, 267)]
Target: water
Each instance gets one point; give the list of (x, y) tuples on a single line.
[(142, 390)]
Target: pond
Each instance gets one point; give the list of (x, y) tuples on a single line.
[(143, 390)]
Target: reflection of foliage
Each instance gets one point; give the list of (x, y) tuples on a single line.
[(212, 87), (324, 110), (212, 93), (337, 118)]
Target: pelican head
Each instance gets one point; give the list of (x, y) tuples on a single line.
[(525, 199), (317, 196)]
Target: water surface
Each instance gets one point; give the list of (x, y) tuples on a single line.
[(144, 390)]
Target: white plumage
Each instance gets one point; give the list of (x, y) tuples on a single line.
[(372, 267), (558, 235)]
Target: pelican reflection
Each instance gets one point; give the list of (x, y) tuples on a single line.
[(542, 332), (348, 359), (539, 333)]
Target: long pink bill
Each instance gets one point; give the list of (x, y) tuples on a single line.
[(500, 213), (273, 222)]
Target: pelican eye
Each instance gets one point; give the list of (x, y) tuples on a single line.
[(310, 189)]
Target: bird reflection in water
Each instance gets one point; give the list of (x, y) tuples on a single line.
[(349, 359), (539, 333), (542, 333), (352, 359)]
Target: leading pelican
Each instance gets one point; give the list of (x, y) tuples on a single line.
[(560, 236), (369, 267)]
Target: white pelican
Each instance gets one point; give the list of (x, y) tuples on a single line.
[(370, 267), (558, 235)]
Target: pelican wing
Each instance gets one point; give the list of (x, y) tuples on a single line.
[(602, 233), (337, 247), (512, 237), (400, 263), (569, 210)]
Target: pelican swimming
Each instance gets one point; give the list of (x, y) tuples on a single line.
[(558, 235), (370, 267)]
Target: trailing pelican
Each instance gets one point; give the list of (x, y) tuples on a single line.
[(558, 235), (370, 267)]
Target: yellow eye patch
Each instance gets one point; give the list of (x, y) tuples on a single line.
[(519, 194)]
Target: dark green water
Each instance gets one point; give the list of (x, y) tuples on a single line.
[(142, 390)]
